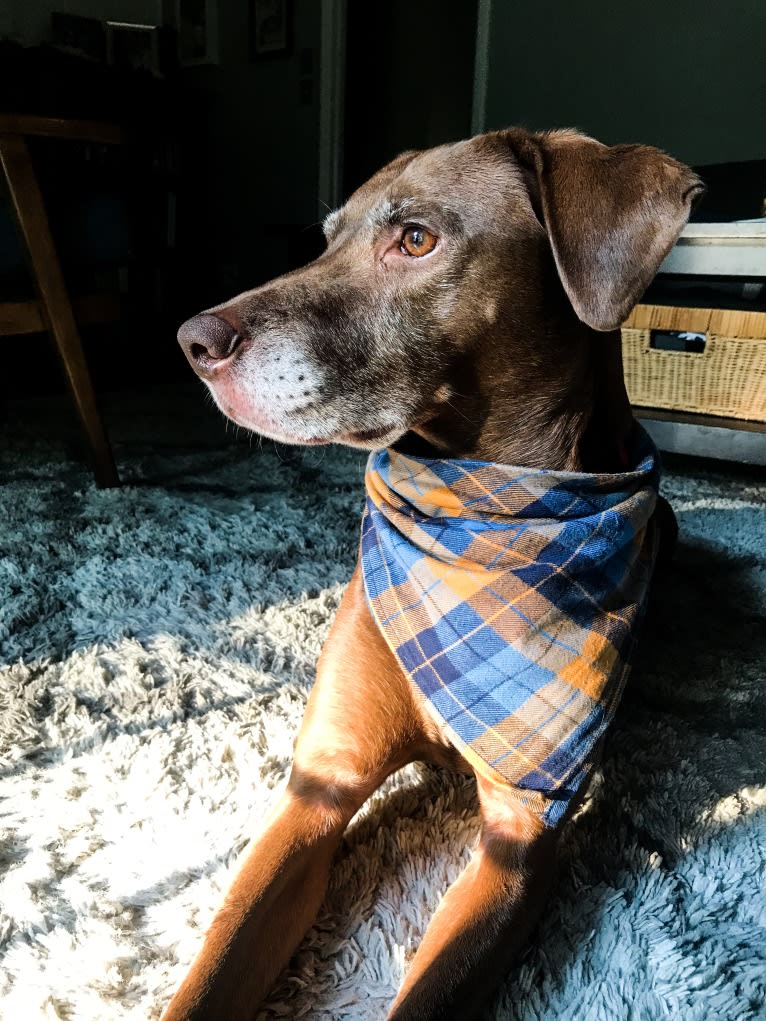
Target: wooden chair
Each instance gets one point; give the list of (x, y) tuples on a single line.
[(53, 310)]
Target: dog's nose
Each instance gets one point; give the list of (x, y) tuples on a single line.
[(208, 342)]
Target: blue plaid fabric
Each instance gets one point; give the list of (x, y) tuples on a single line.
[(511, 598)]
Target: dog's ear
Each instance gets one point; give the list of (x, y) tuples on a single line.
[(612, 214)]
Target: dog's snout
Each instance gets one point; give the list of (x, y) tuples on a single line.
[(208, 342)]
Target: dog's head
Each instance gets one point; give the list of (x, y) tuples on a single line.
[(465, 280)]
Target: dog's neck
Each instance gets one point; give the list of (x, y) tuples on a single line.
[(568, 411)]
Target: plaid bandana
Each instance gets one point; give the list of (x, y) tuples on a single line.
[(511, 598)]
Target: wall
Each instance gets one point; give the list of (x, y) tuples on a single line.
[(250, 160), (686, 75)]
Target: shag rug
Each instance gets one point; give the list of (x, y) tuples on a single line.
[(157, 643)]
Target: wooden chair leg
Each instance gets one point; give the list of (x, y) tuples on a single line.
[(30, 211)]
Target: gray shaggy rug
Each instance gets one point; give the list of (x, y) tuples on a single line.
[(157, 643)]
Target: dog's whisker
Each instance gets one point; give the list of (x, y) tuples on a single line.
[(461, 413)]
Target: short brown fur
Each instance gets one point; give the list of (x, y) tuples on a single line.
[(500, 351)]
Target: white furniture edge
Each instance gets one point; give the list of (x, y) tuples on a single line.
[(719, 249)]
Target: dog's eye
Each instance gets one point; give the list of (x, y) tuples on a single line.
[(417, 241)]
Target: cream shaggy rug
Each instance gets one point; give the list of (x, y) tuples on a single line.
[(157, 644)]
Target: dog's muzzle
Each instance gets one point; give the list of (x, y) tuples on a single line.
[(210, 343)]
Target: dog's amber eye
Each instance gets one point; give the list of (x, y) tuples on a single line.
[(417, 241)]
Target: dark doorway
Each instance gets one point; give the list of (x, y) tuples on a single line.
[(409, 79)]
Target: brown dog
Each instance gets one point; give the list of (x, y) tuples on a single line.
[(465, 307)]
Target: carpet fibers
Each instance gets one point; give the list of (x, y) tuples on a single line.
[(157, 644)]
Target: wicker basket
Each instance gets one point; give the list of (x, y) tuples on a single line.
[(727, 378)]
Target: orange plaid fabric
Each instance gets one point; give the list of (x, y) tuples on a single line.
[(511, 598)]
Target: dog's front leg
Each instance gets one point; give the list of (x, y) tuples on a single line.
[(358, 727), (268, 908), (484, 919)]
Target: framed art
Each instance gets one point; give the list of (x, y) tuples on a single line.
[(133, 47), (81, 37), (196, 23), (269, 28)]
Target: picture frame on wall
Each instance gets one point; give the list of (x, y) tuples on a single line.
[(133, 47), (270, 24), (79, 36), (196, 24)]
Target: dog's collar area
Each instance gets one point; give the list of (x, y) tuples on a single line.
[(449, 488), (511, 598)]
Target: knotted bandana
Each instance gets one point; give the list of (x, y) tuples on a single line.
[(511, 598)]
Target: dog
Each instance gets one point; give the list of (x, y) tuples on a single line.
[(462, 326)]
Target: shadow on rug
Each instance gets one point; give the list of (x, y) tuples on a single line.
[(157, 644)]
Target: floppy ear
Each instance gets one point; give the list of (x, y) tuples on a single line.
[(612, 214)]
